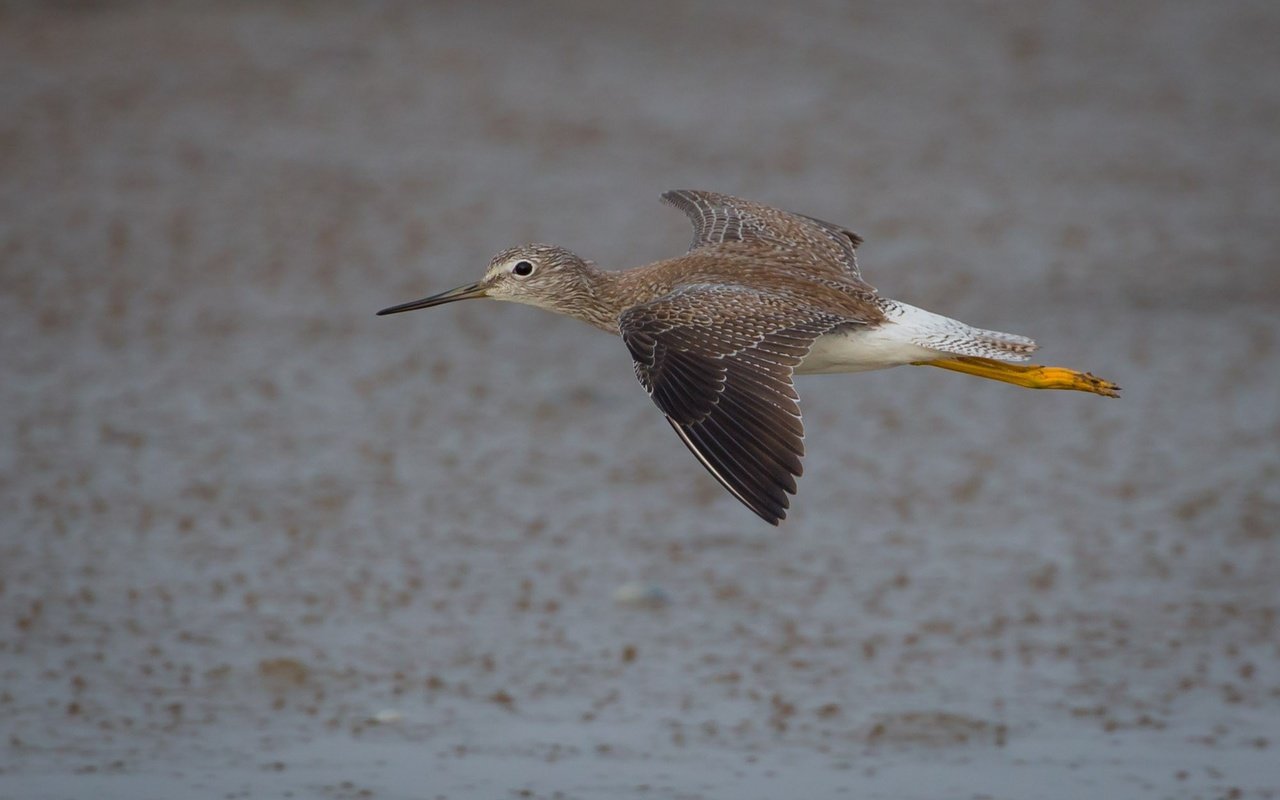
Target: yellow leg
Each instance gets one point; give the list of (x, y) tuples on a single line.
[(1032, 376)]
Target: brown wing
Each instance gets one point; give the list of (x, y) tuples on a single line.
[(718, 361), (720, 218)]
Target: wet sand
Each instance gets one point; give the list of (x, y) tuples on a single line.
[(256, 542)]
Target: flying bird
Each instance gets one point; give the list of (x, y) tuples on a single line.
[(717, 334)]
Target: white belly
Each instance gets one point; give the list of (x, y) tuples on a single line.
[(860, 349)]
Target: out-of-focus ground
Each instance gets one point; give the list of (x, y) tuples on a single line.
[(256, 542)]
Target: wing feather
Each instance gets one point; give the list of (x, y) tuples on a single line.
[(719, 219), (718, 361)]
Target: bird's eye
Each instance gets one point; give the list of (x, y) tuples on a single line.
[(523, 268)]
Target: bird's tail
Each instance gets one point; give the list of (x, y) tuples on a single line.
[(951, 337)]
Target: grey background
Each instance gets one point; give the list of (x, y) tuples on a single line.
[(241, 518)]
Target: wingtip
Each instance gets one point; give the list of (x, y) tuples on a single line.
[(674, 197), (678, 197), (770, 516)]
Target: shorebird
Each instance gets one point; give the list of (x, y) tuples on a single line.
[(717, 334)]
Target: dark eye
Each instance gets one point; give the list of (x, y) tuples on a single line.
[(523, 269)]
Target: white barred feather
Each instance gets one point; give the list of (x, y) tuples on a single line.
[(955, 338)]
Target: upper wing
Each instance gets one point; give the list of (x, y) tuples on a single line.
[(718, 361), (719, 218)]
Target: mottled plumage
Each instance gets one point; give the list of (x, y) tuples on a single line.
[(718, 361), (716, 335)]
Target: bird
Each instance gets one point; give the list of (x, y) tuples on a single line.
[(717, 335)]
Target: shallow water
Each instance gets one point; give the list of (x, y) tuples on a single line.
[(256, 542)]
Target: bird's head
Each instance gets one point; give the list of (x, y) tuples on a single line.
[(540, 275)]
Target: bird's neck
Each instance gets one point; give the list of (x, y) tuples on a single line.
[(602, 298)]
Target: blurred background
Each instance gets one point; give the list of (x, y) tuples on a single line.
[(256, 542)]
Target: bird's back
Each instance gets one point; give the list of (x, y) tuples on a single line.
[(788, 276)]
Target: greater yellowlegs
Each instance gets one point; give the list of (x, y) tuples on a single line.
[(717, 333)]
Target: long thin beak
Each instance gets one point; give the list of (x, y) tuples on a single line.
[(461, 293)]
